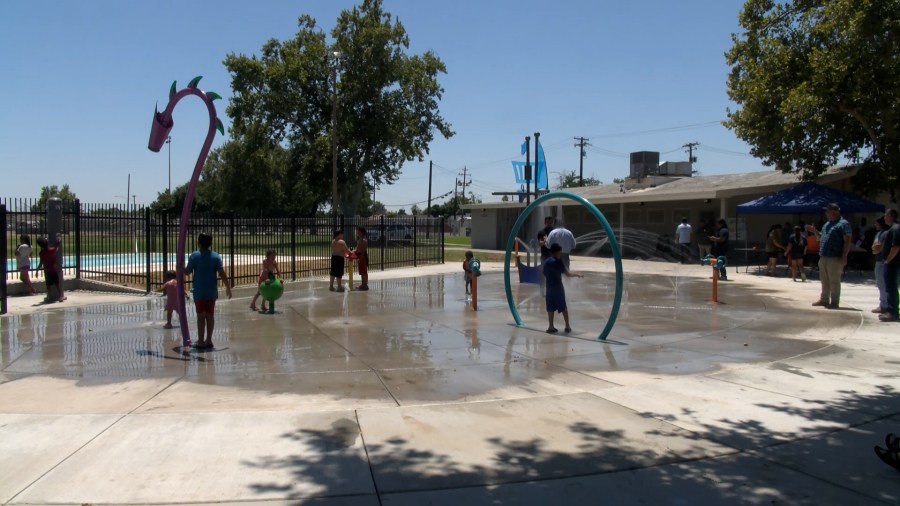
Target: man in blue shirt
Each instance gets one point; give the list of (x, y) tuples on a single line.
[(834, 247)]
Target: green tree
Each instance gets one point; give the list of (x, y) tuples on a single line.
[(386, 102), (817, 82), (378, 208), (571, 180), (47, 192)]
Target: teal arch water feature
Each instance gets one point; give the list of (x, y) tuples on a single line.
[(617, 257)]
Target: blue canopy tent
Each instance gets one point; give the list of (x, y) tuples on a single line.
[(808, 198), (805, 198)]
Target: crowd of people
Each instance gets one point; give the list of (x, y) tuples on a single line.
[(829, 249)]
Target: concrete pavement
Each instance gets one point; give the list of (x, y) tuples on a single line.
[(404, 396)]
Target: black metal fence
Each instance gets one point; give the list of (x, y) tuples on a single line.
[(134, 246)]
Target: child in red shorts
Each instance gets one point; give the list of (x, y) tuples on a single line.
[(205, 264)]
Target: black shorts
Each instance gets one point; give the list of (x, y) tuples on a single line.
[(772, 254), (52, 279), (337, 266)]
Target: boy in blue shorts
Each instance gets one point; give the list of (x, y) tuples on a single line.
[(554, 268), (205, 264)]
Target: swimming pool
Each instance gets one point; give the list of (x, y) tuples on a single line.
[(93, 262)]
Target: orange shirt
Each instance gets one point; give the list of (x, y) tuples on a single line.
[(812, 244)]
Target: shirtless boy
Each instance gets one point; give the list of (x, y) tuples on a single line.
[(339, 251)]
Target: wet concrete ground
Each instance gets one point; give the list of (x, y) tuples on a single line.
[(403, 395)]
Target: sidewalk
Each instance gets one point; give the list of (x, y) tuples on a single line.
[(404, 396)]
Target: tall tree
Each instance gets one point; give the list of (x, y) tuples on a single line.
[(386, 100), (47, 192), (818, 81)]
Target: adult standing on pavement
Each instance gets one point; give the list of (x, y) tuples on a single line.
[(890, 248), (683, 234), (703, 242), (565, 239), (834, 247), (720, 244), (877, 250)]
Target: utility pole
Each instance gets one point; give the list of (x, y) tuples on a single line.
[(465, 181), (527, 173), (582, 142), (430, 166), (455, 197), (537, 163), (334, 147), (691, 158), (428, 209)]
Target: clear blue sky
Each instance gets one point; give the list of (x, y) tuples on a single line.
[(80, 80)]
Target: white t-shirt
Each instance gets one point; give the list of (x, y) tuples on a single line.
[(683, 232), (23, 256)]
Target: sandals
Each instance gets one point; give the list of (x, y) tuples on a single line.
[(889, 457), (253, 307)]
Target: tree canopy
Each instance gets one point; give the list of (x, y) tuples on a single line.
[(570, 179), (386, 103), (818, 82), (53, 191)]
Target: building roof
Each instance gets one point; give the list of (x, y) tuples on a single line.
[(688, 188)]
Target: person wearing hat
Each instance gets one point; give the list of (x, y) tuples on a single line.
[(834, 248), (890, 251)]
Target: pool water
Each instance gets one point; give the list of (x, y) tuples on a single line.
[(91, 262)]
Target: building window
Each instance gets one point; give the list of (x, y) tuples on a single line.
[(656, 216), (677, 214), (633, 217)]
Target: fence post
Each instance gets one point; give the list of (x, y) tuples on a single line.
[(293, 248), (147, 245), (415, 249), (383, 240), (442, 239), (233, 248), (165, 241), (3, 247), (77, 211)]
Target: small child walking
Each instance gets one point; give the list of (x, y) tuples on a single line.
[(47, 257), (554, 268), (269, 269), (23, 262), (467, 269), (170, 290)]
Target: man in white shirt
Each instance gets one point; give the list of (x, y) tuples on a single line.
[(683, 233), (566, 241)]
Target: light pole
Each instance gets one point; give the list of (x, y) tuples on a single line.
[(169, 142), (334, 194)]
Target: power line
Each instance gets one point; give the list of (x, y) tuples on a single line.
[(658, 130), (722, 151)]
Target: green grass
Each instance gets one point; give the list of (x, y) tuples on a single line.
[(456, 240)]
